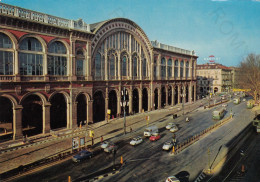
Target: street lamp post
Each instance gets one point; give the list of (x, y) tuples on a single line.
[(124, 104)]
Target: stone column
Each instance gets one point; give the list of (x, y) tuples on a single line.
[(179, 95), (118, 101), (195, 92), (130, 67), (184, 92), (72, 62), (74, 114), (173, 95), (149, 100), (46, 118), (190, 92), (88, 59), (140, 102), (166, 93), (90, 111), (159, 98), (17, 122)]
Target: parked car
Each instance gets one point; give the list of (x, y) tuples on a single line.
[(170, 125), (110, 148), (82, 155), (136, 141), (174, 129), (105, 144), (155, 137), (172, 179), (167, 145)]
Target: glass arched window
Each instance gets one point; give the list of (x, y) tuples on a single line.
[(163, 68), (80, 63), (111, 64), (135, 65), (57, 59), (30, 57), (144, 70), (124, 64), (176, 70), (169, 68), (187, 69), (97, 66), (6, 55), (155, 68), (181, 69)]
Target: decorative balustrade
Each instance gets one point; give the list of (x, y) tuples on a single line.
[(32, 78), (58, 78), (41, 17), (5, 78), (171, 48)]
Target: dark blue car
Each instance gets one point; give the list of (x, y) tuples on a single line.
[(84, 154)]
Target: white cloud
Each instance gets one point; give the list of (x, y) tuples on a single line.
[(256, 0)]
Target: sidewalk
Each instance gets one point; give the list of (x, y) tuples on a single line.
[(49, 145)]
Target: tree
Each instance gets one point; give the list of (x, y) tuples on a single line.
[(250, 75)]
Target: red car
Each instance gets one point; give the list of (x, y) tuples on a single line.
[(155, 137)]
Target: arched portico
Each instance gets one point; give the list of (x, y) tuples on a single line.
[(98, 106)]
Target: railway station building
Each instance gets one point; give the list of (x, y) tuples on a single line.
[(57, 73)]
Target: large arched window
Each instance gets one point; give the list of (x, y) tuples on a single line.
[(181, 69), (135, 65), (111, 57), (169, 68), (6, 55), (97, 66), (80, 63), (187, 69), (163, 68), (176, 70), (57, 59), (30, 57), (124, 64)]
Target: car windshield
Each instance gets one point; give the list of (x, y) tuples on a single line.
[(167, 143)]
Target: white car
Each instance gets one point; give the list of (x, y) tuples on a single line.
[(136, 141), (167, 145), (172, 179), (174, 129), (105, 144), (170, 125), (110, 148)]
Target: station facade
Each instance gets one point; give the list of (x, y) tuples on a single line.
[(57, 73)]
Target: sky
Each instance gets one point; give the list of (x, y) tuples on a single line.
[(227, 29)]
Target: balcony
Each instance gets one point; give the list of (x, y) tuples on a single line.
[(32, 78), (5, 78), (58, 78)]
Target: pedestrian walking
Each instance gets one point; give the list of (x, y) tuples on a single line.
[(92, 139), (131, 129), (101, 139)]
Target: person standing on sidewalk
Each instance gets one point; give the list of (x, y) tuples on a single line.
[(101, 139)]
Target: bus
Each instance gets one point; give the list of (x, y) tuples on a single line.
[(236, 100), (218, 113), (250, 104)]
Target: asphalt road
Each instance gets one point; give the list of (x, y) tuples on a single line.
[(147, 161)]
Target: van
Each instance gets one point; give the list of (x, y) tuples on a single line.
[(150, 130)]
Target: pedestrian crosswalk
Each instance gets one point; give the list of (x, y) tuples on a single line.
[(200, 177)]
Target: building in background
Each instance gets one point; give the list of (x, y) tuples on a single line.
[(57, 73), (213, 78)]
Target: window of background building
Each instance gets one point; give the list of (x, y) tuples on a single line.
[(182, 67), (169, 68), (6, 55), (80, 63), (30, 57), (176, 70), (57, 59), (163, 68), (187, 69), (155, 68)]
